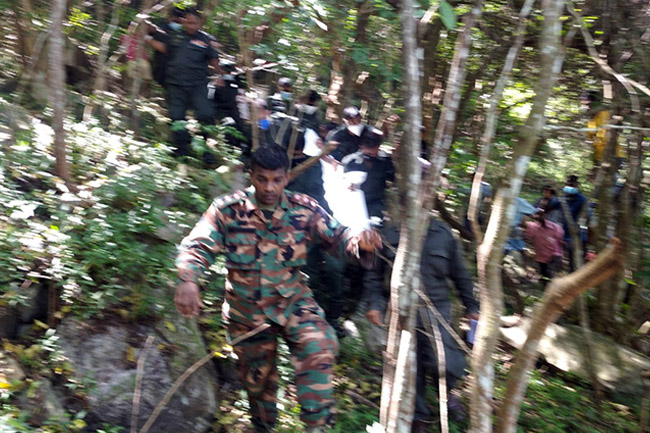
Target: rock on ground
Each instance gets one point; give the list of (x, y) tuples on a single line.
[(618, 367), (104, 356)]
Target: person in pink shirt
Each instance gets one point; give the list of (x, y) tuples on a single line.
[(547, 239)]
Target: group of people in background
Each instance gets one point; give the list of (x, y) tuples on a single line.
[(269, 234)]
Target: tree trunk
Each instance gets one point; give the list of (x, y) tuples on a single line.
[(560, 294), (100, 77), (632, 198), (492, 117), (335, 90), (140, 32), (578, 260), (490, 252), (245, 54), (57, 88), (23, 16), (447, 121), (398, 386), (603, 317)]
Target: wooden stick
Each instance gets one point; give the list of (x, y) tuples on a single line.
[(138, 383), (437, 345), (301, 168), (198, 364)]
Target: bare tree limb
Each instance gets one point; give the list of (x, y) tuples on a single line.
[(491, 118), (183, 377), (138, 383), (561, 292), (301, 168), (490, 252), (628, 83)]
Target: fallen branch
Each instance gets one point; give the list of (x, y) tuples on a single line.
[(138, 383), (558, 297), (301, 168), (198, 364), (361, 398)]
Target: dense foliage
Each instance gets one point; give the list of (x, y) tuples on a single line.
[(105, 245)]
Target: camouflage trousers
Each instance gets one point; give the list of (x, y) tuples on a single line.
[(313, 345)]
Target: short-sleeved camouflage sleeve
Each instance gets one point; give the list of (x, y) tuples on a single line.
[(199, 248)]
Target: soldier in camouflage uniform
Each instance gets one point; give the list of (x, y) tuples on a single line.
[(265, 233)]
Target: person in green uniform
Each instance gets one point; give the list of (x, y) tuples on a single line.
[(191, 53), (265, 233)]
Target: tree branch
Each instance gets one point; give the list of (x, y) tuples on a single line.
[(558, 297)]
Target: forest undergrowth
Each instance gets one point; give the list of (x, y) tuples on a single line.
[(100, 249)]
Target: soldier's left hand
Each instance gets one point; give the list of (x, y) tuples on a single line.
[(473, 316), (369, 240)]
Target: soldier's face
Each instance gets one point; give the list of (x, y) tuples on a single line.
[(269, 184)]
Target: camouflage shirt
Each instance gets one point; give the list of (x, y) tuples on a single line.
[(264, 257)]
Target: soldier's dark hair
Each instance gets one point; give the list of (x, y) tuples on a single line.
[(371, 138), (572, 180), (193, 11), (313, 97), (270, 157)]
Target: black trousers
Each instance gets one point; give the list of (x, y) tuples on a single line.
[(427, 362), (182, 98)]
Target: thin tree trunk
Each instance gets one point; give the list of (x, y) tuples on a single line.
[(453, 93), (604, 311), (100, 77), (245, 54), (140, 32), (490, 252), (57, 88), (635, 250), (492, 117), (628, 226), (398, 387), (22, 16), (559, 295)]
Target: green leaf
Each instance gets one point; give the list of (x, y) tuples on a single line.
[(447, 15)]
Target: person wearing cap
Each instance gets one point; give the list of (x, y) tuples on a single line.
[(547, 239), (282, 99), (378, 166), (347, 135), (191, 53)]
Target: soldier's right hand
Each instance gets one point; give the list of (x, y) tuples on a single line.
[(188, 299), (374, 317)]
